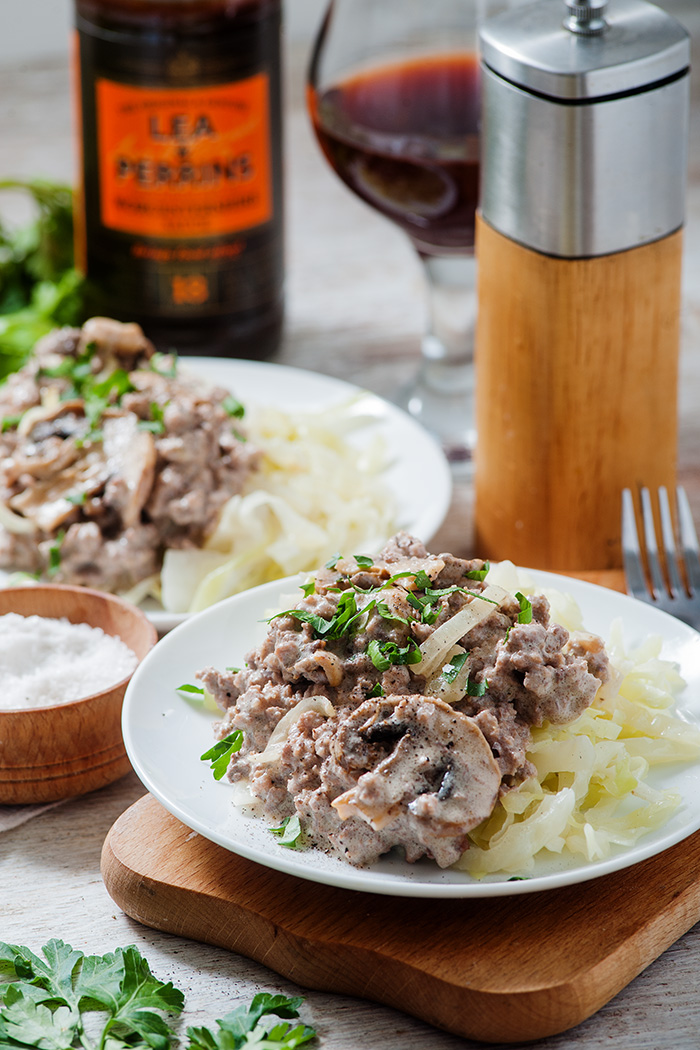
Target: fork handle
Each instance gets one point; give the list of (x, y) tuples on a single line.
[(577, 368)]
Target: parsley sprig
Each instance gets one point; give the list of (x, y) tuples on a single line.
[(243, 1027), (525, 614), (452, 669), (385, 654), (290, 832), (222, 752), (47, 1000), (71, 1001)]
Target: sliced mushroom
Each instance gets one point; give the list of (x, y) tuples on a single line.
[(131, 459), (49, 504), (440, 768)]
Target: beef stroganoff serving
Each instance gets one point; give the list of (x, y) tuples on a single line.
[(123, 471), (434, 704)]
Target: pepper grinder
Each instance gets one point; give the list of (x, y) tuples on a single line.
[(584, 143)]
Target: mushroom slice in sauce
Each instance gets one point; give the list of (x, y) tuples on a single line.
[(440, 767)]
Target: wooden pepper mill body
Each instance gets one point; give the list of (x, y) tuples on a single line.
[(584, 140), (577, 373)]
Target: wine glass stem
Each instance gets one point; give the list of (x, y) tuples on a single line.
[(442, 396), (449, 339)]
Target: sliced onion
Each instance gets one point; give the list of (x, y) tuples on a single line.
[(449, 692), (50, 400), (320, 704), (435, 649), (15, 523)]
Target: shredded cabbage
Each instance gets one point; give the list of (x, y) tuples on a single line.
[(316, 493), (590, 795)]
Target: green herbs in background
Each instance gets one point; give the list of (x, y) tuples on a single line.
[(71, 1001), (39, 287)]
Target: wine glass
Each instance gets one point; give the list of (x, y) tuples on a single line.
[(394, 98)]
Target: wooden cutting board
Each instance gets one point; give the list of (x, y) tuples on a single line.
[(503, 969)]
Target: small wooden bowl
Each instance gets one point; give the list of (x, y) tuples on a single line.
[(51, 753)]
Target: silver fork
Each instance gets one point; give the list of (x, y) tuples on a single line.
[(670, 593)]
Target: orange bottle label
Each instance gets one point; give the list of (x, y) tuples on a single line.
[(190, 162)]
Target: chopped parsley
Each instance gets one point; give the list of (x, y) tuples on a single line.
[(452, 669), (289, 833), (343, 622), (76, 498), (164, 364), (308, 588), (364, 561), (233, 407), (190, 689), (54, 553), (332, 562), (376, 690), (525, 614), (386, 654), (476, 688), (425, 606), (156, 424), (10, 422), (478, 574), (222, 752)]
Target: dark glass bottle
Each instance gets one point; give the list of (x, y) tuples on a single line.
[(179, 218)]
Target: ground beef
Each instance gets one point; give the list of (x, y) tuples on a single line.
[(392, 764), (110, 458)]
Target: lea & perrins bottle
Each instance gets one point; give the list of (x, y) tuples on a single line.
[(179, 220)]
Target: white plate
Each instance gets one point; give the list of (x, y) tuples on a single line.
[(165, 735), (412, 452)]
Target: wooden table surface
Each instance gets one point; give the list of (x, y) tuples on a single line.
[(355, 311)]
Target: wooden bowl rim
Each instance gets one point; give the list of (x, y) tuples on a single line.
[(91, 593)]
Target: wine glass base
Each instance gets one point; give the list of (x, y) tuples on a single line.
[(446, 410)]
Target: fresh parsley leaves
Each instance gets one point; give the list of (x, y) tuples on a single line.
[(233, 407), (67, 1000), (479, 574), (452, 669), (164, 364), (243, 1027), (222, 752), (47, 1000), (525, 614), (289, 833), (341, 623), (385, 654), (54, 553), (187, 688), (156, 424)]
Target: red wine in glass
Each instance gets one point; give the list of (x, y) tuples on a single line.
[(393, 93), (405, 137)]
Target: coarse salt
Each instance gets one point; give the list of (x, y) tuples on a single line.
[(46, 661)]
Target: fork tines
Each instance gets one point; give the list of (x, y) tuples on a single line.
[(669, 590)]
